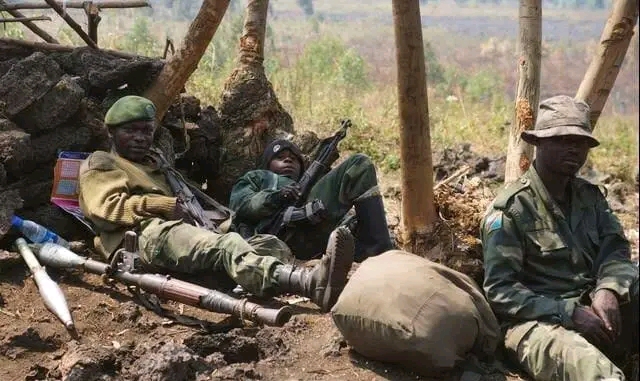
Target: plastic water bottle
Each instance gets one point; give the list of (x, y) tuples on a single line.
[(37, 233)]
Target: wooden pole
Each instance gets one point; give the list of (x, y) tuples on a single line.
[(418, 209), (180, 66), (48, 47), (71, 22), (519, 153), (607, 61), (104, 4), (30, 25), (93, 19), (23, 19)]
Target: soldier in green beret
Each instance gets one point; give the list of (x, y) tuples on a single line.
[(128, 189), (558, 272)]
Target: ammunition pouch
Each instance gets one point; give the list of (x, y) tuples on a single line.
[(312, 212)]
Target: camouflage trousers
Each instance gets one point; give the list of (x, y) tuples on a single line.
[(181, 247), (549, 352), (351, 181)]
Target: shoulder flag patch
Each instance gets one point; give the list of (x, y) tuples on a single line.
[(493, 222)]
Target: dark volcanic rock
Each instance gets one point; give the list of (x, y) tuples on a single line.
[(88, 362), (14, 147), (234, 346), (10, 201), (170, 362), (236, 372), (27, 81), (54, 108), (102, 71)]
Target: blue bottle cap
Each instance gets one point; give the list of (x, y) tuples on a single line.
[(16, 221)]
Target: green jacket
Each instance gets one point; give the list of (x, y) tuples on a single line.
[(252, 197), (538, 263)]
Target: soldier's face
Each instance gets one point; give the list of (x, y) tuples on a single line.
[(564, 155), (133, 140), (286, 164)]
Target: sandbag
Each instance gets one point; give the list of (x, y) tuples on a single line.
[(403, 309)]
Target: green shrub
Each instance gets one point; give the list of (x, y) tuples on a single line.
[(139, 39), (483, 86), (435, 71), (12, 30), (329, 61)]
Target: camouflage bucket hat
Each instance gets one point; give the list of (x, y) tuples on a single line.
[(559, 116), (131, 108)]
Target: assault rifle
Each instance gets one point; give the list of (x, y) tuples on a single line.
[(322, 162), (206, 219), (122, 268)]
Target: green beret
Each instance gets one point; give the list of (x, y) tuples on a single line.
[(131, 108)]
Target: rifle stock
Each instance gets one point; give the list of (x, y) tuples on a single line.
[(320, 163), (168, 288)]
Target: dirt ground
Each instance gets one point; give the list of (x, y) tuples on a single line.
[(121, 340)]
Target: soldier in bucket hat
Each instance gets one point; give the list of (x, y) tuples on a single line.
[(127, 189), (558, 273)]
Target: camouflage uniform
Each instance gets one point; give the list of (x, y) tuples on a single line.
[(542, 260), (351, 181), (539, 264), (117, 195)]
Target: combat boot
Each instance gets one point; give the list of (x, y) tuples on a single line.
[(324, 282), (372, 232)]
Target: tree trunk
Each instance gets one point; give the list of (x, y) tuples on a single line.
[(253, 33), (250, 113), (179, 68), (607, 61), (519, 153), (418, 209)]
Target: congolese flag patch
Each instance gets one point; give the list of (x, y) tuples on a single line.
[(493, 222)]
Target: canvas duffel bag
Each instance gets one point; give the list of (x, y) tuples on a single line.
[(401, 308)]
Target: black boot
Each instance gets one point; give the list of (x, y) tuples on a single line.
[(372, 232), (323, 283)]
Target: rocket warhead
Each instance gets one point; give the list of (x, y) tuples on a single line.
[(52, 254), (51, 293), (53, 297)]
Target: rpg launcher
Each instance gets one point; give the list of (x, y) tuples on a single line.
[(320, 165), (124, 262)]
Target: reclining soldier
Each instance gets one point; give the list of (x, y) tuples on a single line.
[(558, 272), (260, 194), (127, 189)]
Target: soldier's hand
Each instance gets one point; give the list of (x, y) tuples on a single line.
[(180, 212), (605, 305), (591, 326), (289, 194)]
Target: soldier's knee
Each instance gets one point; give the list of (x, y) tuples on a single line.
[(361, 159), (234, 242), (363, 163)]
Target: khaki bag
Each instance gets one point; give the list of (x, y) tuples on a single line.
[(401, 308)]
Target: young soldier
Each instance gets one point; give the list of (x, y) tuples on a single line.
[(557, 267), (258, 196), (127, 189)]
